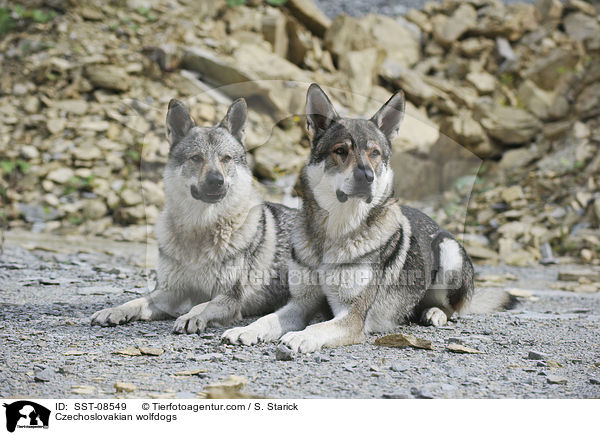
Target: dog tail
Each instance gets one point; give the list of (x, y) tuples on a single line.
[(487, 300)]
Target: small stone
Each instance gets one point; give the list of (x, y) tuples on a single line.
[(512, 193), (61, 175), (403, 340), (75, 353), (402, 394), (558, 380), (151, 351), (55, 126), (594, 381), (29, 152), (535, 355), (124, 387), (83, 389), (44, 375), (210, 357), (130, 351), (192, 372), (398, 367), (283, 353), (459, 348)]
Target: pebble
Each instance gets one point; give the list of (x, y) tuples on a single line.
[(124, 387), (535, 355), (284, 353), (556, 380), (398, 367), (44, 375)]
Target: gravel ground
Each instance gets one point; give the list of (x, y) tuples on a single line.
[(387, 7), (51, 288)]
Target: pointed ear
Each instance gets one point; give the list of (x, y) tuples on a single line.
[(319, 111), (179, 122), (389, 117), (235, 119)]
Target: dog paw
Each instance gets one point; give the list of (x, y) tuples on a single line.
[(434, 317), (111, 317), (302, 341), (187, 324)]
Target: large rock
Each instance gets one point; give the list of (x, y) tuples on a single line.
[(109, 77), (588, 102), (347, 34), (360, 69), (308, 14), (547, 71), (580, 26), (280, 155), (417, 132), (274, 31), (400, 44), (252, 71), (446, 30), (536, 100), (467, 132), (510, 125)]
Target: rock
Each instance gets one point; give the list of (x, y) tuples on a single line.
[(398, 367), (546, 72), (594, 381), (87, 153), (580, 26), (398, 42), (446, 30), (83, 389), (310, 15), (400, 394), (558, 380), (99, 290), (56, 126), (31, 104), (60, 175), (131, 197), (578, 274), (191, 372), (129, 351), (588, 102), (463, 129), (281, 155), (151, 351), (420, 19), (75, 107), (283, 353), (109, 77), (536, 100), (512, 194), (535, 355), (347, 34), (274, 31), (581, 6), (124, 387), (484, 82), (459, 348), (418, 132), (510, 125), (360, 69), (549, 10), (300, 42), (44, 375), (29, 152), (229, 385), (403, 340), (516, 158), (481, 252), (38, 213)]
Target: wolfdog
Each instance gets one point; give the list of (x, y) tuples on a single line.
[(375, 262), (223, 252)]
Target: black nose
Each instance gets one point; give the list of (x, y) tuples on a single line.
[(363, 174), (214, 179)]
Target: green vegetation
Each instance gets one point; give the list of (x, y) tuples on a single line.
[(75, 184), (507, 79), (8, 166), (8, 21)]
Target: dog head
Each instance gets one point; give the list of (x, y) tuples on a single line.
[(204, 162), (349, 158)]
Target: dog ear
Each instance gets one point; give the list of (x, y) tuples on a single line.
[(389, 117), (235, 119), (179, 122), (319, 111)]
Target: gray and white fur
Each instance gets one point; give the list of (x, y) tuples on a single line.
[(223, 252), (373, 261)]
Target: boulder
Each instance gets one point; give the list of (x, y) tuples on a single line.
[(347, 34), (536, 100), (400, 44), (484, 82), (360, 69), (446, 30), (510, 125), (417, 132), (580, 26), (310, 15), (274, 31)]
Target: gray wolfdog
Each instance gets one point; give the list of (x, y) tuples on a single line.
[(375, 262), (223, 252)]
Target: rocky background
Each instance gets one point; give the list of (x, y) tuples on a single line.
[(500, 142)]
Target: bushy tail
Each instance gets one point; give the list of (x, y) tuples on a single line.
[(488, 300)]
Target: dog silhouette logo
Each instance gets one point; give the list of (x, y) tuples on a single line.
[(26, 414)]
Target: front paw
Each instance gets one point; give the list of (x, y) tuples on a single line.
[(302, 341), (111, 317), (189, 324), (246, 335)]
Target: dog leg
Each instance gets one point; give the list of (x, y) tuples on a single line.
[(222, 309), (340, 331), (434, 316), (155, 306)]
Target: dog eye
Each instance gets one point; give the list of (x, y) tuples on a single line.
[(226, 158), (375, 153), (196, 158), (341, 151)]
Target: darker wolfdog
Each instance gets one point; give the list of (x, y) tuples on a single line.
[(223, 252), (375, 262)]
